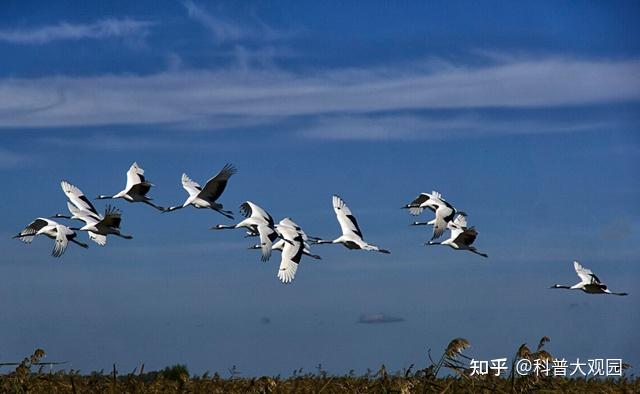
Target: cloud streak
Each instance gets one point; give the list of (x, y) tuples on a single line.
[(417, 127), (188, 98), (225, 30), (102, 29)]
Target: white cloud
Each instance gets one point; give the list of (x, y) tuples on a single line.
[(102, 29), (203, 98), (413, 127), (224, 29)]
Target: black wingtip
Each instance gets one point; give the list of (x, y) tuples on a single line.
[(230, 169)]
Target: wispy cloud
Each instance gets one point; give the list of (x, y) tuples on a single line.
[(187, 97), (225, 29), (106, 28), (415, 127)]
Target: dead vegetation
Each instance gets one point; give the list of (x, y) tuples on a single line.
[(450, 374)]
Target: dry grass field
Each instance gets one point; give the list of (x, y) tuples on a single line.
[(450, 373)]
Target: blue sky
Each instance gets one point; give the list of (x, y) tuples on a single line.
[(525, 116)]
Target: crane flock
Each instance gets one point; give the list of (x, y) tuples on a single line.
[(286, 236)]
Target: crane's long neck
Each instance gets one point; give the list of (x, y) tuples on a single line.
[(104, 197), (562, 287)]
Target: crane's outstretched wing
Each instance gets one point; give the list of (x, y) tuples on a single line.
[(86, 216), (249, 209), (290, 223), (61, 241), (267, 236), (444, 212), (215, 186), (98, 238), (112, 217), (348, 222), (29, 232), (438, 227), (135, 175), (192, 187), (77, 198), (460, 221), (467, 237), (290, 260), (585, 274), (415, 206)]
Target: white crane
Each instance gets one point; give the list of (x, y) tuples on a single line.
[(109, 224), (205, 197), (461, 236), (424, 200), (59, 232), (589, 282), (81, 208), (279, 245), (97, 226), (351, 235), (257, 221), (292, 250), (444, 211), (136, 188)]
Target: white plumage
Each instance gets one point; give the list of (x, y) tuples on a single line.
[(95, 224), (351, 237), (136, 188), (589, 282), (205, 197), (257, 221), (60, 233), (443, 210), (461, 237)]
